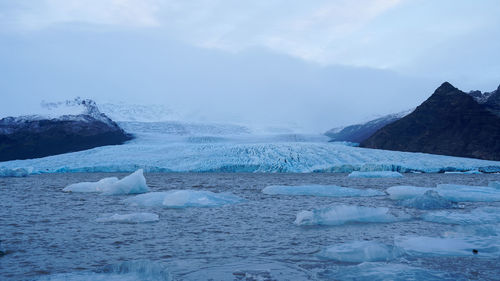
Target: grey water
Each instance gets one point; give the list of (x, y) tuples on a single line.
[(52, 235)]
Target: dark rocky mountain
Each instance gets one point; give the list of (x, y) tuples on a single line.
[(360, 132), (450, 122), (493, 102), (29, 137)]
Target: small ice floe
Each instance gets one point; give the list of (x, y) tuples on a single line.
[(482, 215), (130, 218), (344, 214), (471, 172), (494, 184), (375, 174), (428, 201), (16, 172), (320, 190), (360, 251), (453, 246), (452, 192), (184, 199), (132, 184)]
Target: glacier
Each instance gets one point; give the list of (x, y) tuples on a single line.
[(15, 172), (129, 218), (481, 215), (132, 184), (198, 147), (375, 174), (184, 199), (344, 214), (320, 190), (360, 251), (452, 192)]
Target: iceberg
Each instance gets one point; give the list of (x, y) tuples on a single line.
[(132, 184), (482, 215), (471, 172), (130, 218), (344, 214), (15, 172), (452, 192), (320, 190), (457, 246), (360, 251), (375, 174), (427, 201), (184, 199)]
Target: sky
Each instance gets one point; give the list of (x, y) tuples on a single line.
[(312, 65)]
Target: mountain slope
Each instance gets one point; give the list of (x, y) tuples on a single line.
[(450, 122)]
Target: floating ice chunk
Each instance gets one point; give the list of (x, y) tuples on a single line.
[(360, 251), (452, 192), (427, 201), (495, 184), (375, 271), (445, 246), (320, 190), (376, 174), (15, 172), (184, 199), (91, 186), (132, 184), (130, 218), (402, 192), (471, 172), (343, 214), (483, 215)]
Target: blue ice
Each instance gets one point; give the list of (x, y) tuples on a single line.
[(481, 215), (427, 201), (129, 218), (320, 190), (132, 184), (184, 199), (360, 251), (452, 192), (375, 174)]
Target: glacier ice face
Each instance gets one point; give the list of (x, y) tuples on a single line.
[(344, 214), (454, 246), (360, 251), (427, 201), (15, 172), (452, 192), (169, 147), (130, 218), (482, 215), (132, 184), (184, 199), (320, 190), (375, 174)]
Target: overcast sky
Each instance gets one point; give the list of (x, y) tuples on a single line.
[(311, 64)]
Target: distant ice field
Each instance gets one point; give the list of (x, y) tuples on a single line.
[(186, 147)]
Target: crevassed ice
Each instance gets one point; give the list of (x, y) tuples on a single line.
[(453, 192), (448, 246), (427, 201), (375, 174), (130, 218), (132, 184), (360, 251), (320, 190), (184, 199), (482, 215), (343, 214)]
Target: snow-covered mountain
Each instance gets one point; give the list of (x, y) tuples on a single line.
[(139, 112)]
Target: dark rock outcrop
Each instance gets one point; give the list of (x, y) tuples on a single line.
[(450, 122), (33, 137)]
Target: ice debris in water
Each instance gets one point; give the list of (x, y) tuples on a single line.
[(126, 271), (427, 201), (360, 251), (15, 172), (343, 214), (495, 184), (130, 218), (184, 199), (482, 215), (375, 174), (452, 192), (471, 172), (132, 184), (373, 271), (320, 190)]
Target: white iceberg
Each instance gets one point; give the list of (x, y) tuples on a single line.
[(427, 201), (452, 192), (375, 174), (360, 251), (343, 214), (320, 190), (454, 246), (15, 172), (482, 215), (130, 218), (132, 184), (184, 199)]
